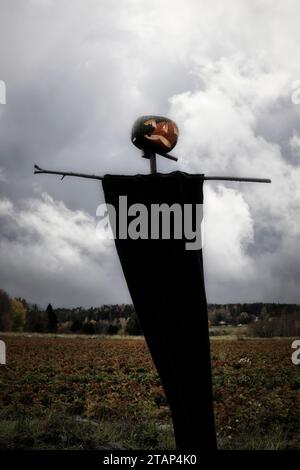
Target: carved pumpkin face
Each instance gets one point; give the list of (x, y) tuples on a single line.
[(155, 133)]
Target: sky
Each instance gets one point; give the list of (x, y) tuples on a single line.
[(77, 75)]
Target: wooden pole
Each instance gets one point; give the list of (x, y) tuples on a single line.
[(237, 178), (39, 170)]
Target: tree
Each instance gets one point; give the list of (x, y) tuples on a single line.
[(35, 319), (112, 329), (76, 326), (244, 318), (51, 319), (5, 318), (264, 313), (88, 328), (133, 326), (18, 315)]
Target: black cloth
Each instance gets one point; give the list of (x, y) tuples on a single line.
[(166, 284)]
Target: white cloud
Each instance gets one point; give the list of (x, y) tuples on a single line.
[(228, 230), (48, 251), (219, 123)]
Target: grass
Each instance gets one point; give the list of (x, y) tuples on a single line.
[(60, 432), (75, 392)]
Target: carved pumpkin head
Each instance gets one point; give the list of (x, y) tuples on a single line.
[(155, 133)]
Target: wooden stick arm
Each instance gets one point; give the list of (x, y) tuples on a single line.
[(237, 178), (39, 170)]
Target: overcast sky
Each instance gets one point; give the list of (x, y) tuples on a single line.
[(78, 72)]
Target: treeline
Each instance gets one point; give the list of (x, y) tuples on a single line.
[(262, 319), (12, 313), (18, 315), (235, 314), (112, 319)]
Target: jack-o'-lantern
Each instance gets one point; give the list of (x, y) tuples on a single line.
[(155, 133)]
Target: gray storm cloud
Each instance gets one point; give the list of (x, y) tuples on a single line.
[(78, 73)]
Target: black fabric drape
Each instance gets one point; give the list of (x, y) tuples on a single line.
[(166, 284)]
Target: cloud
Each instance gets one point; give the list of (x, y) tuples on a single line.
[(50, 253), (2, 177), (79, 73), (295, 146), (219, 127)]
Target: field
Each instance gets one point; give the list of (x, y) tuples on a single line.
[(70, 392)]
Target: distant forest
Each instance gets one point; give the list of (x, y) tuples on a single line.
[(262, 319)]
